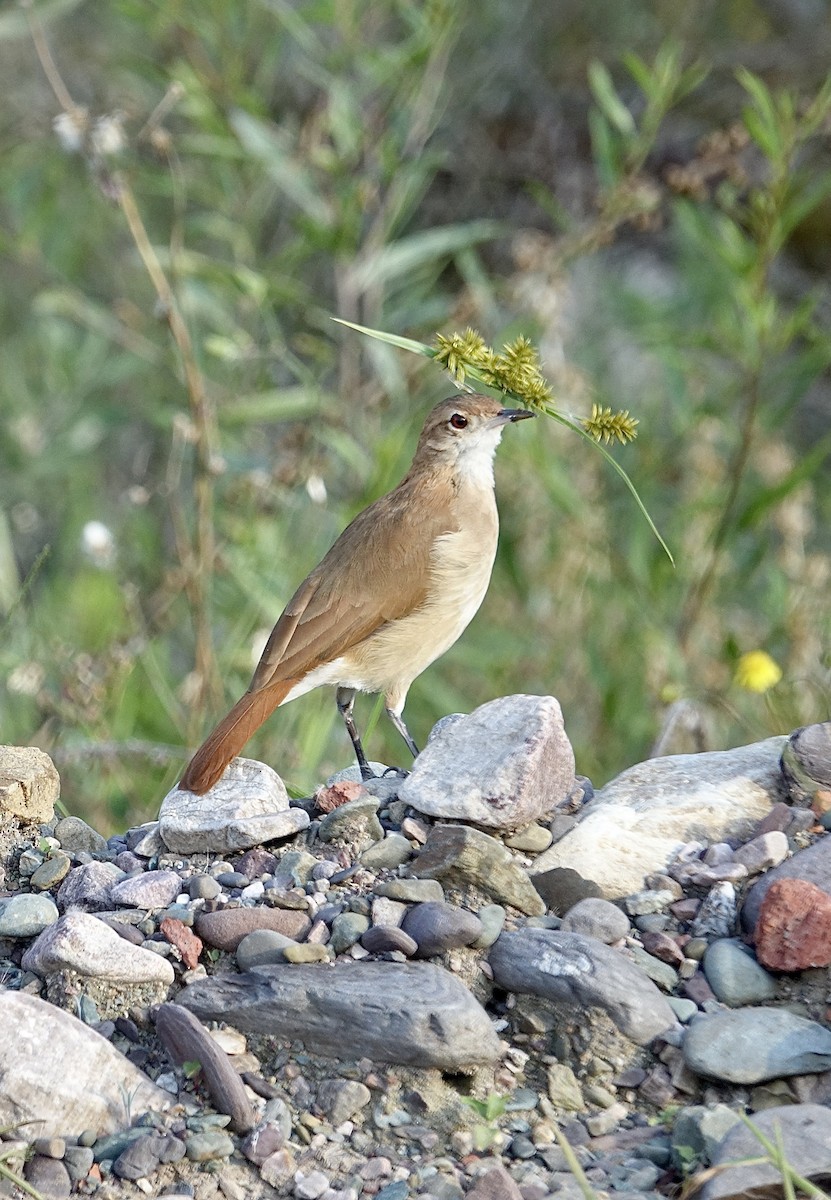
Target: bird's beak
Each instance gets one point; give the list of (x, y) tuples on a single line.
[(514, 414)]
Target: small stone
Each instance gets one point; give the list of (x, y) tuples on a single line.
[(205, 1147), (596, 918), (153, 889), (391, 851), (48, 1177), (354, 823), (78, 1160), (661, 945), (563, 1089), (380, 939), (562, 888), (307, 953), (327, 799), (463, 855), (492, 918), (412, 891), (26, 915), (278, 1169), (347, 929), (51, 872), (495, 1184), (793, 930), (232, 879), (263, 1141), (604, 1122), (341, 1099), (661, 973), (74, 835), (763, 852), (140, 1159), (439, 927), (294, 869), (311, 1186), (735, 976), (262, 947), (185, 941), (718, 915), (146, 840), (684, 1009), (533, 839), (226, 928), (743, 1169)]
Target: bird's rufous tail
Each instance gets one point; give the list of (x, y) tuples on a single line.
[(230, 735)]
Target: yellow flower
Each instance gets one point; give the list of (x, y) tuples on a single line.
[(757, 671)]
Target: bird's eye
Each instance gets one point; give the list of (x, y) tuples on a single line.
[(457, 421)]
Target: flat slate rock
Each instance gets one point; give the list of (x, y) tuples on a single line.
[(62, 1076), (249, 805), (416, 1014), (578, 973), (187, 1040), (465, 856), (502, 766), (805, 1130), (750, 1045)]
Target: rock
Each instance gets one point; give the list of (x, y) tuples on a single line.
[(294, 869), (412, 1013), (29, 784), (213, 1144), (495, 1184), (78, 1160), (734, 974), (698, 1132), (80, 942), (412, 891), (307, 952), (48, 1177), (140, 1159), (793, 930), (390, 852), (748, 1045), (88, 887), (718, 916), (576, 973), (226, 928), (347, 929), (184, 939), (492, 919), (26, 915), (145, 841), (806, 762), (636, 823), (465, 856), (440, 927), (261, 948), (50, 873), (187, 1040), (762, 852), (380, 939), (561, 888), (660, 972), (805, 1132), (354, 824), (813, 865), (60, 1076), (75, 835), (341, 1099), (502, 766), (563, 1088), (598, 919), (533, 839), (248, 805), (153, 889), (203, 887)]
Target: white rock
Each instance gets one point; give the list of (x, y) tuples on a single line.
[(635, 824), (80, 942), (29, 784), (61, 1076), (248, 806), (502, 766)]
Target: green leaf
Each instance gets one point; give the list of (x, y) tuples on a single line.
[(391, 339), (268, 144), (608, 101), (191, 1068), (400, 258)]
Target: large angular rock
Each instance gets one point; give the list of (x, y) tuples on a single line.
[(29, 784), (249, 805), (634, 825), (502, 766), (579, 973), (462, 857), (58, 1077), (412, 1013), (80, 942), (744, 1170)]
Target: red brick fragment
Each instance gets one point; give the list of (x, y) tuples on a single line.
[(329, 798), (793, 930), (184, 939)]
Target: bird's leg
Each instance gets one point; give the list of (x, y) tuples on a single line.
[(345, 698), (398, 722)]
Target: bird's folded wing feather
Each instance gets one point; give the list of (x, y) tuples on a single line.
[(377, 571)]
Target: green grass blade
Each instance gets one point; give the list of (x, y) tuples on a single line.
[(391, 339)]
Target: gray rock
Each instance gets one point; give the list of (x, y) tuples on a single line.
[(598, 919), (48, 1177), (26, 915), (51, 872), (533, 839), (806, 762), (261, 948), (734, 974), (502, 766), (698, 1132), (492, 918), (248, 805), (347, 929), (88, 887), (718, 915), (749, 1045), (412, 891), (78, 1160), (380, 939), (805, 1131), (341, 1099), (763, 852), (146, 840), (186, 1040), (561, 888), (391, 851), (226, 928), (60, 1076), (636, 823), (354, 823), (213, 1144), (440, 927), (153, 889), (661, 973), (29, 784), (465, 856), (813, 864), (74, 835), (411, 1013), (577, 973), (140, 1159), (80, 942)]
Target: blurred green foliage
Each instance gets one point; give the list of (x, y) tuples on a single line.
[(656, 221)]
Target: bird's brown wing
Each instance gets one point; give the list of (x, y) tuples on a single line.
[(377, 571)]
